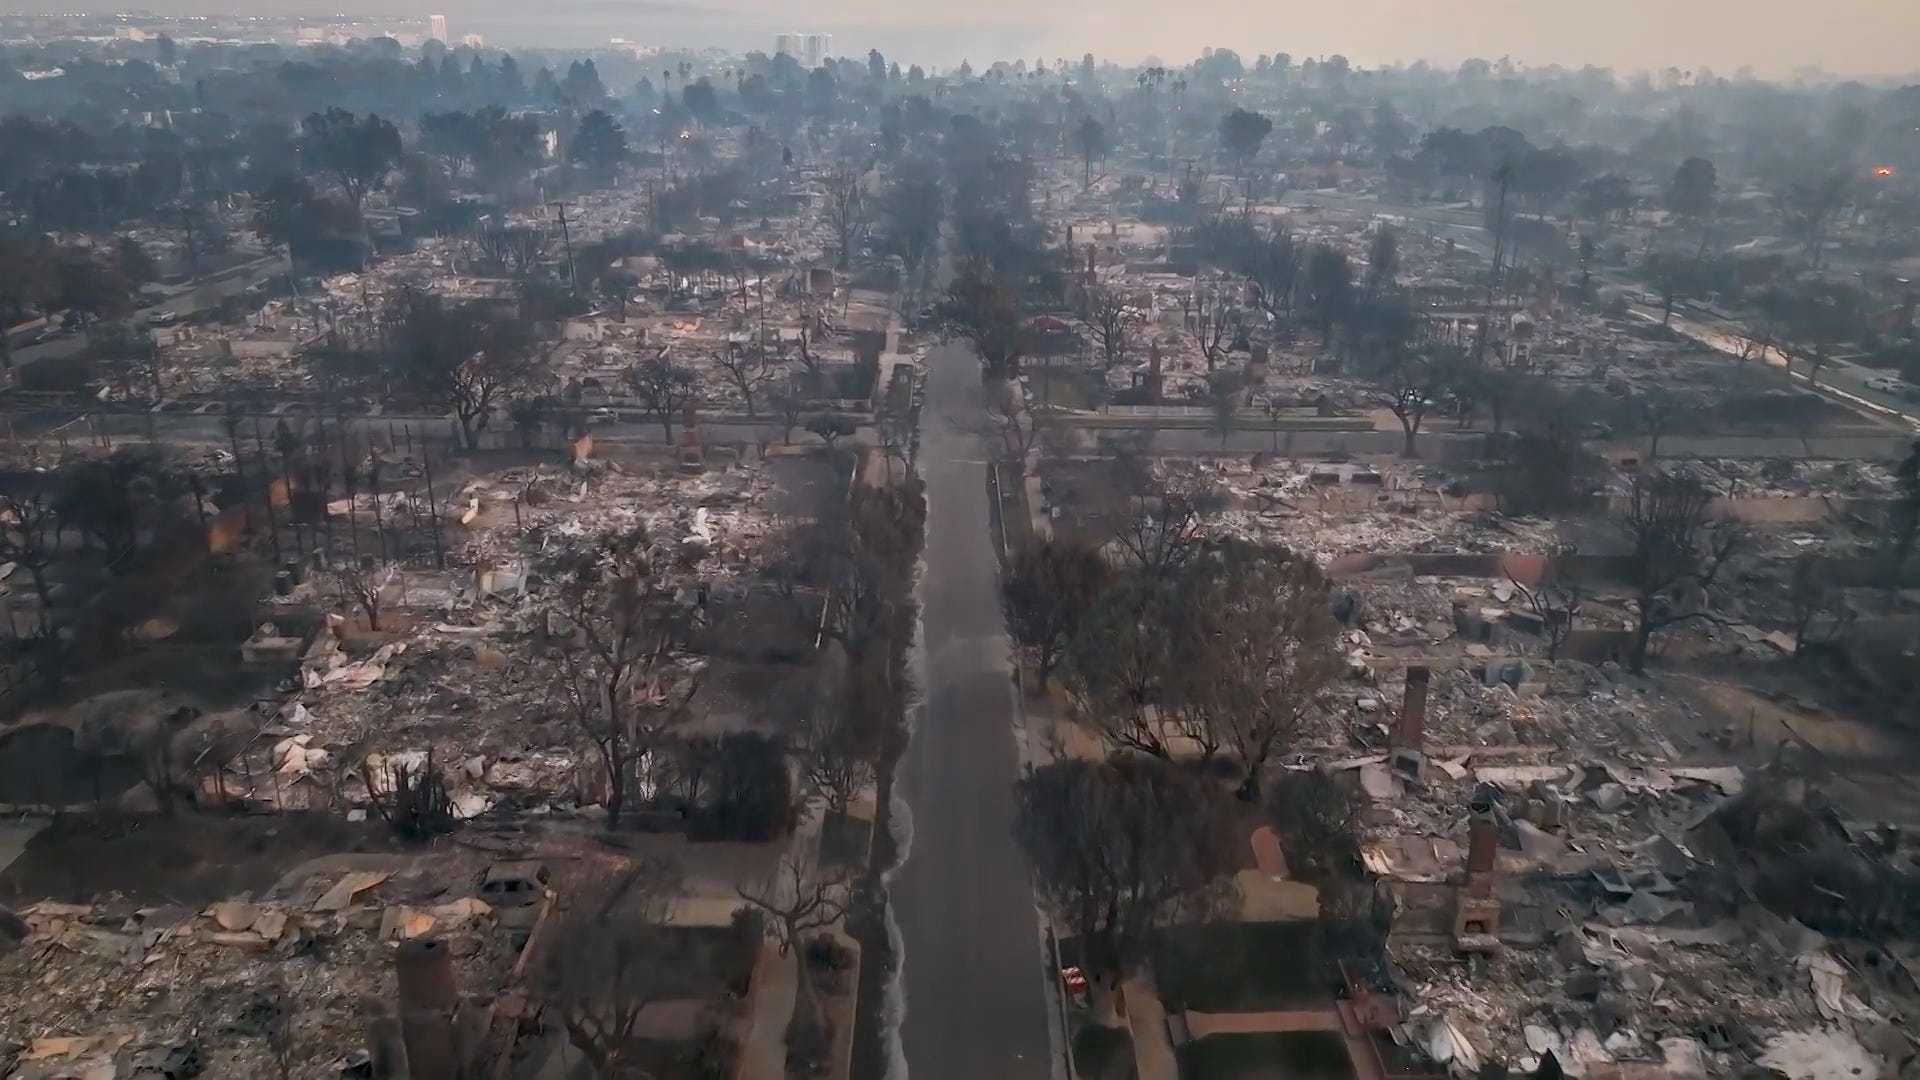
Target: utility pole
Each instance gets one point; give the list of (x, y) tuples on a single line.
[(1503, 174), (266, 488), (567, 240), (433, 510)]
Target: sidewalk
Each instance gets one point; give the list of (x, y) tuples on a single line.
[(763, 1048), (1147, 1018)]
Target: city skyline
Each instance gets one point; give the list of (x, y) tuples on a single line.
[(1850, 37)]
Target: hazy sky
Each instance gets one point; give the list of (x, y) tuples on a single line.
[(1773, 36)]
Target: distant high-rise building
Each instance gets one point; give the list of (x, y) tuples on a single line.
[(473, 41), (787, 45), (818, 48), (437, 28)]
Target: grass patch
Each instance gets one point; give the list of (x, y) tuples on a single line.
[(843, 841), (1244, 967), (1290, 1055), (1063, 388), (714, 960), (187, 858), (1103, 1053), (709, 1057)]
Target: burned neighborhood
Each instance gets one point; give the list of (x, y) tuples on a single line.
[(528, 559)]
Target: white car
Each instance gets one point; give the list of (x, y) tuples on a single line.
[(1886, 384)]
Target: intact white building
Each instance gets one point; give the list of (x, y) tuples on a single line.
[(818, 48)]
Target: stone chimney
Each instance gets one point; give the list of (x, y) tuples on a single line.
[(1410, 727), (428, 997), (1410, 732), (424, 969)]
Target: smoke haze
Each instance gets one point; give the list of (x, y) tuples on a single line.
[(1774, 37)]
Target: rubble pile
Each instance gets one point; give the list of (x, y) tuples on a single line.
[(111, 987), (1636, 925), (1532, 705), (1402, 525), (459, 663), (1626, 936)]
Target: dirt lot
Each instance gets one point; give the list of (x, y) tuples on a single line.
[(1865, 767), (187, 859)]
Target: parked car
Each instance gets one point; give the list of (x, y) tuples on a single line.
[(1886, 384)]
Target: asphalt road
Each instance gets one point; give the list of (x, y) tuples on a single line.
[(182, 428), (972, 963), (195, 297), (1839, 379)]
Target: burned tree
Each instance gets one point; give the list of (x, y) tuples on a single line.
[(1412, 386), (1116, 667), (30, 530), (416, 804), (799, 898), (357, 152), (1318, 817), (749, 369), (665, 389), (605, 955), (846, 209), (1674, 277), (1111, 321), (617, 680), (362, 586), (466, 358), (788, 404), (1226, 395), (1090, 140), (1679, 546), (1155, 519), (1211, 323), (1252, 649), (1544, 468), (149, 730), (831, 429), (1272, 266), (1121, 849), (1820, 612), (1241, 133), (109, 503), (834, 748), (1556, 598), (1328, 281), (1009, 422), (1051, 586), (1905, 515), (1666, 413), (981, 308)]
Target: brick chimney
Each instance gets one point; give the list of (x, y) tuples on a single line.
[(1476, 920), (1482, 848), (1410, 731), (428, 997)]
